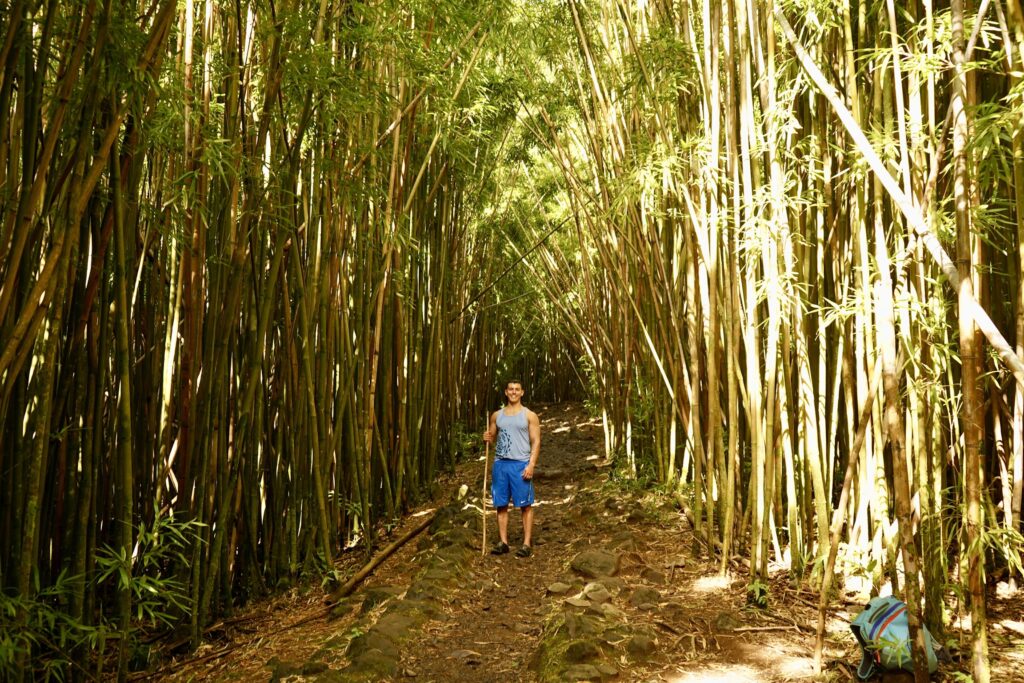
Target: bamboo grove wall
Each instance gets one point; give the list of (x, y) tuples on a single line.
[(238, 247), (749, 294)]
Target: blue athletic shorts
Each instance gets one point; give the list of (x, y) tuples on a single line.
[(507, 484)]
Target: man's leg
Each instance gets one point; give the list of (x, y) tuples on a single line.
[(528, 525), (503, 523)]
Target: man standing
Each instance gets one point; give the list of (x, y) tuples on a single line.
[(516, 429)]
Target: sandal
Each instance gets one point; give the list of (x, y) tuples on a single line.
[(524, 551), (500, 549)]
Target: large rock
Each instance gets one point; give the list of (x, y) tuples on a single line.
[(577, 625), (396, 626), (595, 564), (644, 596), (580, 651), (596, 592), (372, 640), (727, 621), (654, 576), (625, 540), (281, 670), (581, 672), (640, 646), (372, 665)]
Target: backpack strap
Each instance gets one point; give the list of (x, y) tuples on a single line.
[(869, 658)]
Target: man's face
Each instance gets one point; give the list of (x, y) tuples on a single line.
[(514, 392)]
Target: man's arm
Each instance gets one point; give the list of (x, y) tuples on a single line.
[(533, 422), (492, 428)]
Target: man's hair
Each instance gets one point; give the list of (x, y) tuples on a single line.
[(514, 381)]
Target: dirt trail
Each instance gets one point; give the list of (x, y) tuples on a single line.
[(439, 611), (497, 623)]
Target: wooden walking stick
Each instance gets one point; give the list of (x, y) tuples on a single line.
[(483, 499)]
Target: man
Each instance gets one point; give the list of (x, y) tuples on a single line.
[(516, 431)]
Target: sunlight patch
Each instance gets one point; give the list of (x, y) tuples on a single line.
[(796, 667), (708, 584), (726, 674)]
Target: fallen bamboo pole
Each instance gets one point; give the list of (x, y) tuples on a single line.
[(359, 576)]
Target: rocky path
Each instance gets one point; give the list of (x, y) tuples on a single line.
[(613, 591)]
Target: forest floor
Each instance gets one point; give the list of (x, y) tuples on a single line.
[(613, 590)]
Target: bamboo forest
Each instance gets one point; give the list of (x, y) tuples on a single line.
[(269, 270)]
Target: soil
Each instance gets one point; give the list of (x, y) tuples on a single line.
[(440, 610)]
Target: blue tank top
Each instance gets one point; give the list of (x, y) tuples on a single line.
[(513, 436)]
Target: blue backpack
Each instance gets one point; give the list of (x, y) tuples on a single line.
[(883, 632)]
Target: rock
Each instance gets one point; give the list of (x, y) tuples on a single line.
[(636, 517), (581, 672), (644, 596), (426, 590), (581, 624), (616, 635), (654, 576), (420, 610), (460, 538), (314, 668), (581, 651), (280, 670), (678, 561), (378, 594), (443, 519), (596, 563), (609, 610), (344, 606), (596, 592), (624, 540), (558, 588), (727, 621), (607, 670), (613, 583), (396, 626), (614, 504), (372, 665), (372, 640), (640, 646), (439, 575), (548, 474), (577, 602)]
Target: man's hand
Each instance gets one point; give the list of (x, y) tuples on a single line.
[(488, 436), (528, 473)]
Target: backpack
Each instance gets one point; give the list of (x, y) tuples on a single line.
[(883, 632)]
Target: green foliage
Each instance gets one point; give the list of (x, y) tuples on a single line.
[(157, 597), (464, 440), (757, 594), (40, 628)]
